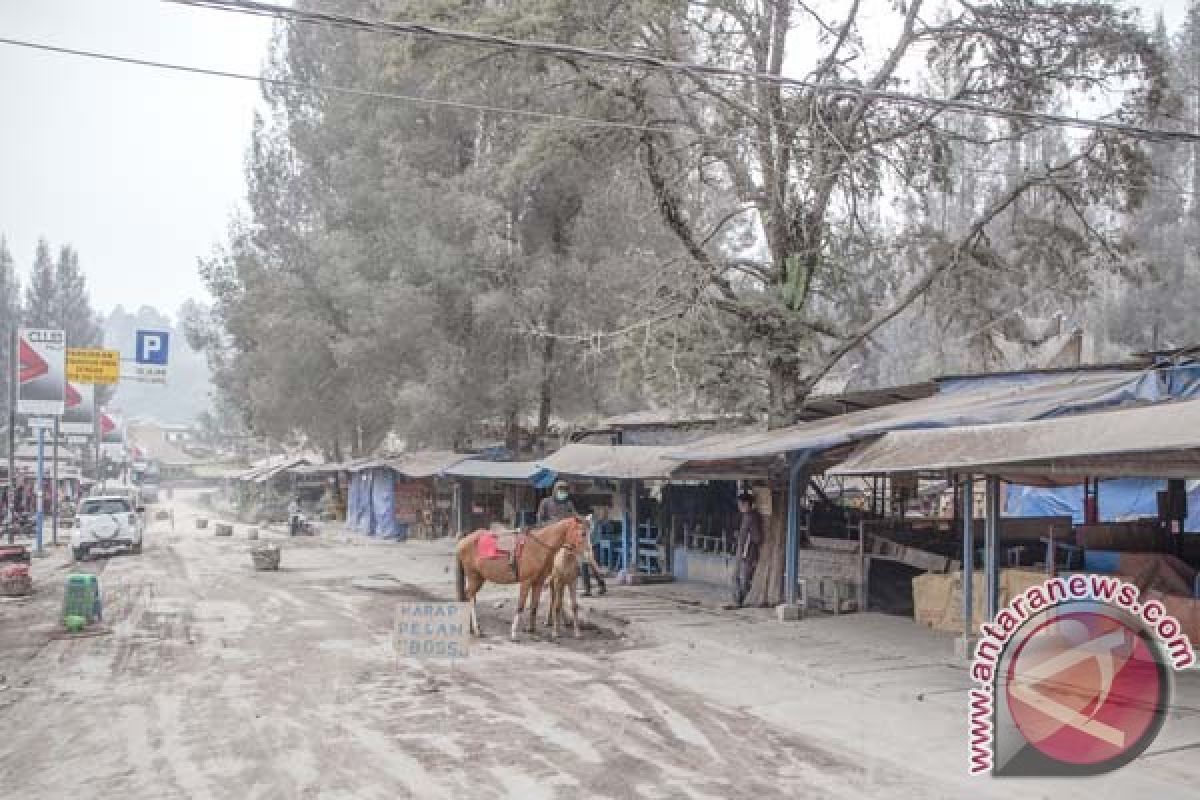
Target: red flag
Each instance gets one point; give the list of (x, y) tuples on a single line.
[(107, 425)]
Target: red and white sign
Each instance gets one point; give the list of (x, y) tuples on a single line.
[(79, 414), (43, 365)]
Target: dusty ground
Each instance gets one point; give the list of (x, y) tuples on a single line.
[(211, 680)]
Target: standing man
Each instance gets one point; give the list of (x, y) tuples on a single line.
[(559, 505), (749, 542)]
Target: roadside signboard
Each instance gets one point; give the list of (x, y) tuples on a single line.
[(152, 347), (42, 378), (139, 373), (93, 365), (79, 414), (432, 630), (41, 423)]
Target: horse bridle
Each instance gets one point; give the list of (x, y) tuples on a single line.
[(532, 535)]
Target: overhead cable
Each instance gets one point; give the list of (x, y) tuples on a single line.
[(648, 61)]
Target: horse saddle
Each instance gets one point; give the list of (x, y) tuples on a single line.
[(507, 544)]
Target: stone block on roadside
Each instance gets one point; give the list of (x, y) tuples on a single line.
[(201, 524), (786, 612)]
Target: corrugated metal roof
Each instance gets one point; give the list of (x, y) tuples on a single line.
[(620, 462), (419, 464), (986, 403), (666, 417), (831, 405), (425, 463), (519, 471), (1161, 440)]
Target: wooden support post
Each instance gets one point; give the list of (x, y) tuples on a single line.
[(968, 568), (864, 566), (992, 545), (633, 512)]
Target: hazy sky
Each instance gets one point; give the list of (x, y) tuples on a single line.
[(139, 168)]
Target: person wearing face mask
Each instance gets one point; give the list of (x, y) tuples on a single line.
[(554, 508)]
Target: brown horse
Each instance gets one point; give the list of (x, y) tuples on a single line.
[(533, 566), (562, 579)]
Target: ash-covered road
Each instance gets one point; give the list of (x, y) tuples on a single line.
[(213, 680)]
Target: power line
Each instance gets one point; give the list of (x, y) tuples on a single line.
[(503, 110), (378, 94), (646, 61)]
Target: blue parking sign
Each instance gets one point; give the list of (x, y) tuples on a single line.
[(152, 347)]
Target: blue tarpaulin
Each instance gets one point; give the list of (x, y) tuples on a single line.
[(1126, 498), (371, 504), (383, 505), (358, 502)]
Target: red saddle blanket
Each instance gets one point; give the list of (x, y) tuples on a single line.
[(500, 545)]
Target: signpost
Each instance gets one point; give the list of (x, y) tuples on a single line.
[(151, 353), (41, 390), (42, 371), (432, 630), (93, 366)]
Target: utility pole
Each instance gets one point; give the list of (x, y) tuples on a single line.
[(54, 494), (12, 432), (40, 493)]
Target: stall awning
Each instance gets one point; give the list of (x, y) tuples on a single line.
[(1161, 441), (616, 462), (967, 402), (418, 464), (509, 471)]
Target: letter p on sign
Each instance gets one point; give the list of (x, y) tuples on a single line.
[(152, 347)]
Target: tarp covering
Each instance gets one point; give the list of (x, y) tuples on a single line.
[(371, 504), (513, 471), (628, 462), (983, 400), (383, 505), (1122, 499), (1161, 440), (358, 502)]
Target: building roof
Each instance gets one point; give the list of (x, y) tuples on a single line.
[(619, 462), (1161, 440), (666, 418), (512, 471), (418, 464), (821, 406), (988, 400)]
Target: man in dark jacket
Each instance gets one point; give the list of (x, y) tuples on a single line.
[(749, 543), (558, 506)]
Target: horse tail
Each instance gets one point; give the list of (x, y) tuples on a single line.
[(460, 577)]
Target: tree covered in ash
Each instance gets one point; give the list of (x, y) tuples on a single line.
[(713, 241)]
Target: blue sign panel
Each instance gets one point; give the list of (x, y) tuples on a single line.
[(152, 347)]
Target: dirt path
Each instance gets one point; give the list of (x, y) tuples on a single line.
[(217, 681)]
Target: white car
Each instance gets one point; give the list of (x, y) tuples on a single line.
[(107, 522)]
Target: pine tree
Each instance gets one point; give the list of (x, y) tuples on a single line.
[(72, 306), (40, 307)]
